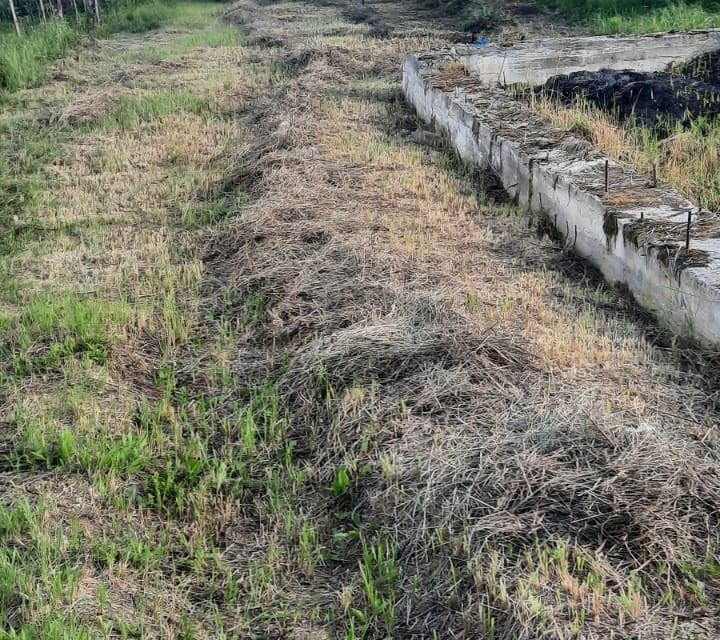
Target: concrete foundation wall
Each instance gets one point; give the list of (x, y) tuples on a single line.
[(542, 169), (536, 62)]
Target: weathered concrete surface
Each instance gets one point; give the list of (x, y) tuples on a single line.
[(535, 62), (634, 233)]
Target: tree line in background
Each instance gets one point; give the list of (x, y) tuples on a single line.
[(26, 12), (33, 33), (42, 10)]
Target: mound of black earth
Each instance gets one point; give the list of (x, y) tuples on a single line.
[(660, 100)]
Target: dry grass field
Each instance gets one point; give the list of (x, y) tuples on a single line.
[(273, 369)]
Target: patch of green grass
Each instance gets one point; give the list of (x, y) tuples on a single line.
[(220, 36), (58, 327), (67, 315), (197, 14), (37, 575), (674, 17), (203, 214), (136, 18), (23, 61), (171, 451), (375, 615), (131, 112), (640, 16), (101, 452)]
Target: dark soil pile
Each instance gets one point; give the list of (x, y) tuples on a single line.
[(680, 94)]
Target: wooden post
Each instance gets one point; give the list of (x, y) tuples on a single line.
[(43, 13), (97, 11), (654, 173), (15, 18), (61, 14)]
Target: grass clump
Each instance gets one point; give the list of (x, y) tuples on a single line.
[(53, 329), (138, 18), (23, 61), (132, 111), (36, 575)]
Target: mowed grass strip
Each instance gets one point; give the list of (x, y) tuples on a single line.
[(306, 378)]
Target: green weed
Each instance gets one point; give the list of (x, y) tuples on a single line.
[(54, 328), (379, 576), (37, 576)]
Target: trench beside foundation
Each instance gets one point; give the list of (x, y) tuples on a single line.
[(635, 232)]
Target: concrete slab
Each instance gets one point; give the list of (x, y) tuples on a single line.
[(535, 62), (634, 232)]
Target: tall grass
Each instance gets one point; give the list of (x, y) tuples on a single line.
[(23, 60), (640, 16), (688, 159), (136, 17)]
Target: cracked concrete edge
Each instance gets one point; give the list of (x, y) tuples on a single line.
[(550, 171)]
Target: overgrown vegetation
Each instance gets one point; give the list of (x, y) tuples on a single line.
[(598, 16), (640, 16), (23, 59), (684, 156)]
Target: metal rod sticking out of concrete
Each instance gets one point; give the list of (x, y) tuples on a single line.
[(687, 233), (607, 175)]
